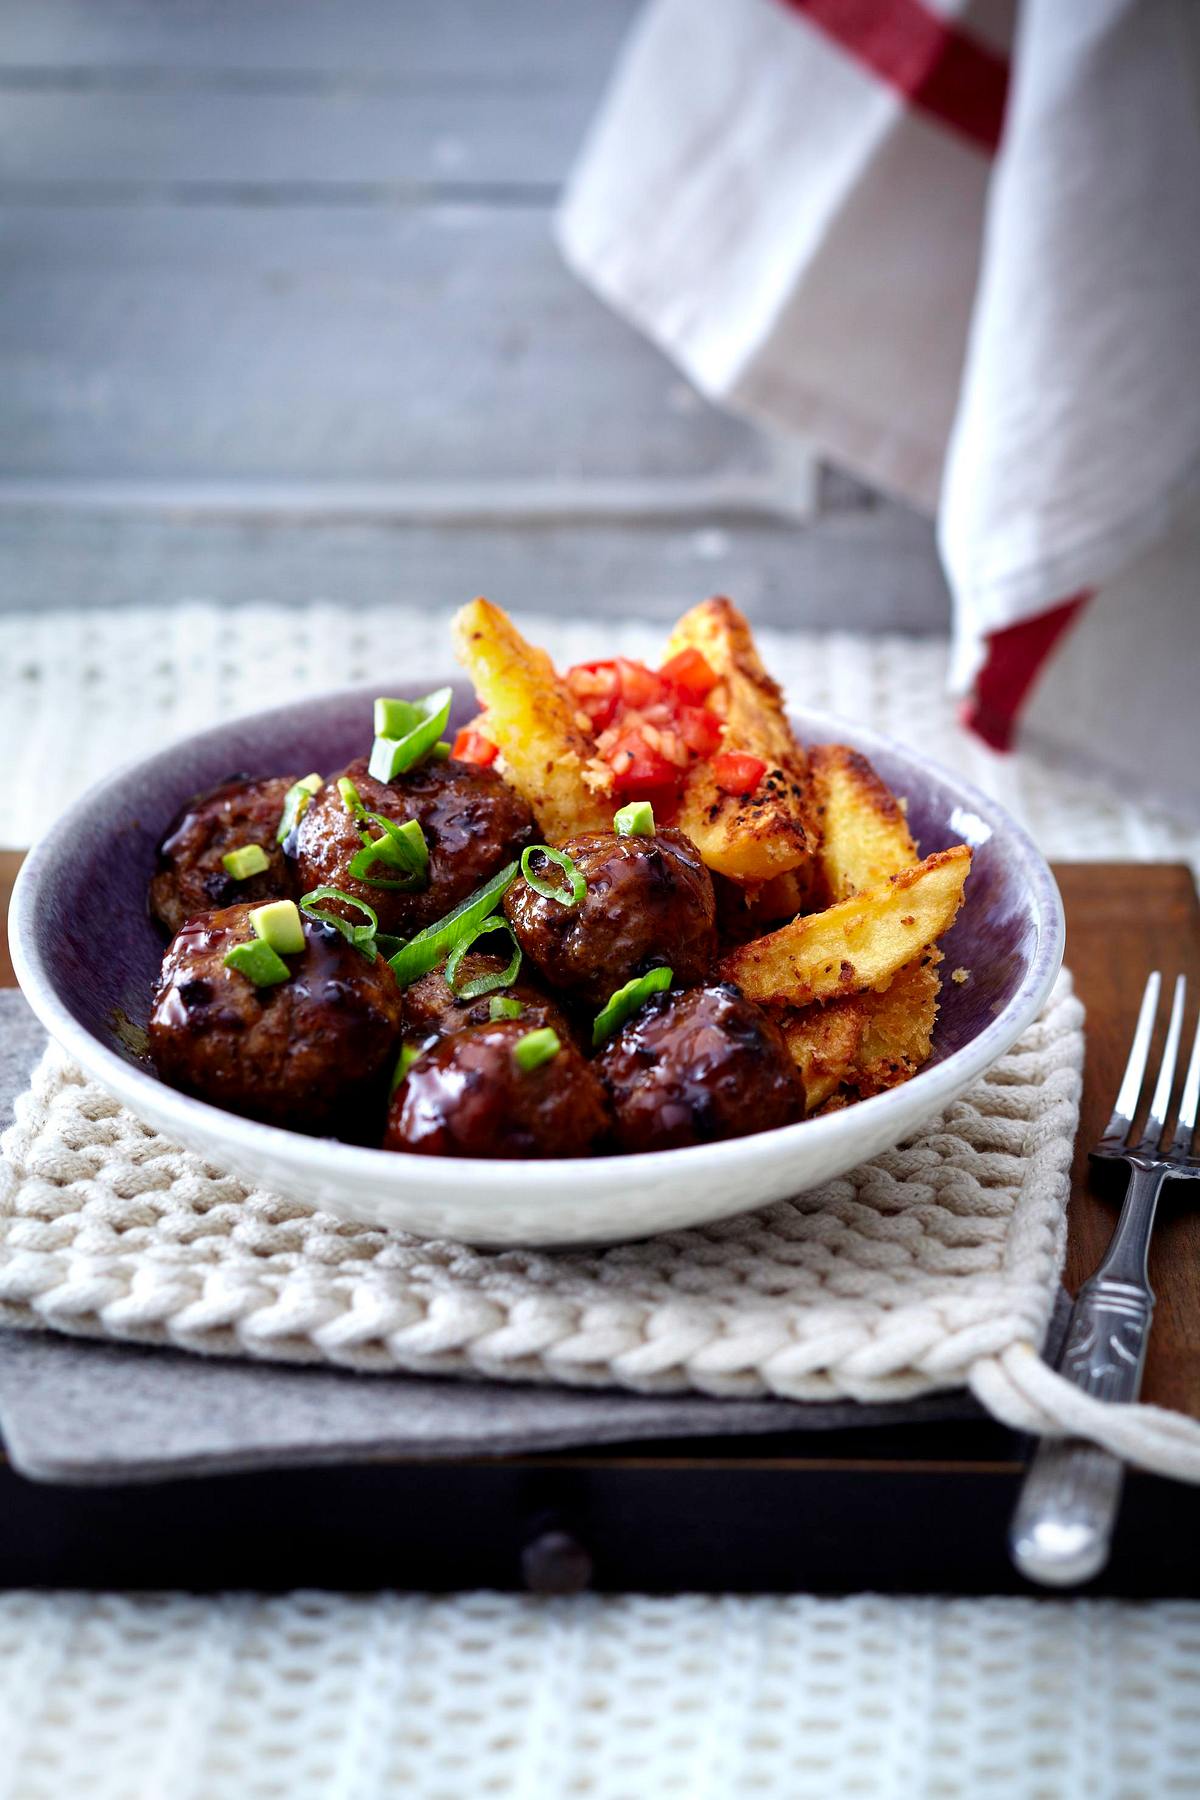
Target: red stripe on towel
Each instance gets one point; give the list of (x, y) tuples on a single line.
[(1015, 658), (942, 69)]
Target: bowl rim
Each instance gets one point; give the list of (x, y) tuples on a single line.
[(330, 1159)]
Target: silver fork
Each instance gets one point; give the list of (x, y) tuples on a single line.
[(1062, 1529)]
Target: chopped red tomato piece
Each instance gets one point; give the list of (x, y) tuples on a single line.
[(699, 729), (596, 688), (638, 768), (691, 674), (471, 746), (735, 772), (649, 725), (640, 686)]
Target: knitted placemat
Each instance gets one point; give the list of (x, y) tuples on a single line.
[(933, 1266)]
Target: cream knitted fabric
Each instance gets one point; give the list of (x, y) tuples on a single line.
[(891, 1281), (933, 1266)]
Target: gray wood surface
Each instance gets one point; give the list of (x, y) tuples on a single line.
[(281, 314)]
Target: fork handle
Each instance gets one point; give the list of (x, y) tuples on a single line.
[(1062, 1529)]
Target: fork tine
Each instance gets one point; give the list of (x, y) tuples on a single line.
[(1160, 1106), (1181, 1143), (1117, 1129)]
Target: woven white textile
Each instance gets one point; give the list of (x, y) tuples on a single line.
[(933, 1266), (137, 677), (324, 1697), (906, 1275)]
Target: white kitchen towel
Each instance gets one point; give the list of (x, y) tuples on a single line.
[(957, 248)]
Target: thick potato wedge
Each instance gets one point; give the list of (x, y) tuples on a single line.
[(898, 1029), (824, 1042), (864, 838), (765, 836), (869, 1041), (530, 715), (864, 835), (858, 943)]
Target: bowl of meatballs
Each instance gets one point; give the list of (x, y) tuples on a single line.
[(370, 985)]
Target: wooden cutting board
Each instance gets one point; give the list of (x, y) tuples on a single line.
[(912, 1509)]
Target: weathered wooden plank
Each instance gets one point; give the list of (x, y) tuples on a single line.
[(142, 145), (363, 344), (872, 567), (278, 40)]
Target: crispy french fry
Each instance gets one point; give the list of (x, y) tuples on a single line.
[(898, 1027), (864, 835), (825, 1042), (765, 836), (858, 943), (867, 1042), (864, 839), (530, 715)]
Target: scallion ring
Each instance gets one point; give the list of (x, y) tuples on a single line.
[(576, 887), (351, 798), (295, 804), (393, 718), (535, 1048), (624, 1003), (482, 984), (429, 947), (400, 847), (408, 1056), (361, 936), (392, 756), (503, 1006)]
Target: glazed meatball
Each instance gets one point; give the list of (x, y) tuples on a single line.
[(649, 901), (191, 878), (313, 1053), (431, 1010), (473, 823), (691, 1067), (468, 1095)]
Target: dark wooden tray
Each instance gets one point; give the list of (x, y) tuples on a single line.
[(923, 1508)]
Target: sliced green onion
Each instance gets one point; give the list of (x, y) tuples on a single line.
[(503, 1006), (391, 756), (258, 962), (361, 936), (295, 804), (387, 945), (625, 1002), (351, 799), (482, 984), (246, 860), (395, 718), (576, 887), (536, 1048), (280, 925), (429, 947), (635, 820), (400, 847), (408, 1056)]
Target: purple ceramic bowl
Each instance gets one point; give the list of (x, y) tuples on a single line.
[(86, 954)]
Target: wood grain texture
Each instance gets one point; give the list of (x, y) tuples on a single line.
[(300, 256), (290, 43), (10, 862), (875, 567), (1123, 919)]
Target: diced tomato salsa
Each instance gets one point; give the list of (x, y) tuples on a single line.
[(471, 746), (736, 772), (651, 725)]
